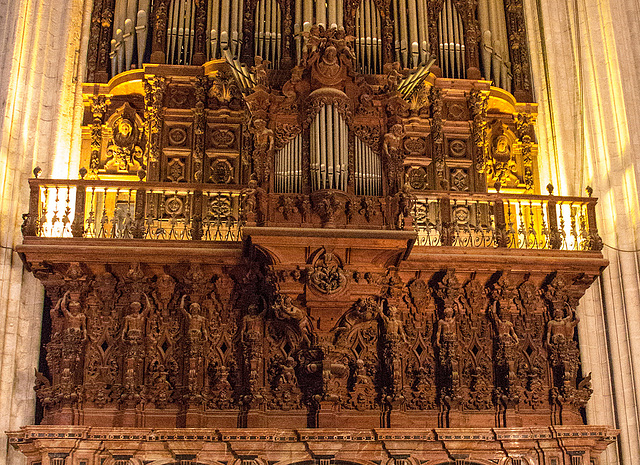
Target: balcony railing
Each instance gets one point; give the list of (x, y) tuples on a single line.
[(154, 211), (132, 210), (506, 220)]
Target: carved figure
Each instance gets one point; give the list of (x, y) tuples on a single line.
[(260, 71), (392, 325), (446, 342), (560, 330), (253, 208), (288, 374), (134, 322), (563, 350), (392, 142), (285, 310), (361, 373), (392, 150), (75, 322), (197, 322), (263, 149), (327, 276), (504, 328), (446, 333)]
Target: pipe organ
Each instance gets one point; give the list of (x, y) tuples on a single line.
[(411, 32), (257, 256), (180, 32), (288, 167), (368, 38), (130, 30), (224, 26), (368, 170), (451, 42), (494, 50), (329, 141)]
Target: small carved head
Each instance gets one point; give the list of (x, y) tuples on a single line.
[(135, 306), (194, 308), (558, 314)]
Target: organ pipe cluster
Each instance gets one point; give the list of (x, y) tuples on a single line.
[(494, 47), (288, 167), (130, 29), (180, 32), (411, 34), (451, 42), (268, 33), (368, 170), (368, 38), (224, 27), (329, 150)]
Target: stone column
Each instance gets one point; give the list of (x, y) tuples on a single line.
[(40, 107)]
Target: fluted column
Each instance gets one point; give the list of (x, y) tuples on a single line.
[(585, 60), (38, 43)]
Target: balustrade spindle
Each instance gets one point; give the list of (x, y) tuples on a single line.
[(573, 230), (555, 239), (90, 230), (77, 227), (446, 235), (502, 238)]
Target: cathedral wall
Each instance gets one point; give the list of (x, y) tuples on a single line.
[(38, 107), (588, 118)]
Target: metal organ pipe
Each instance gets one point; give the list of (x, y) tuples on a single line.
[(413, 31), (423, 20), (297, 27)]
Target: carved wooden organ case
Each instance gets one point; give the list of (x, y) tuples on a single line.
[(318, 130)]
